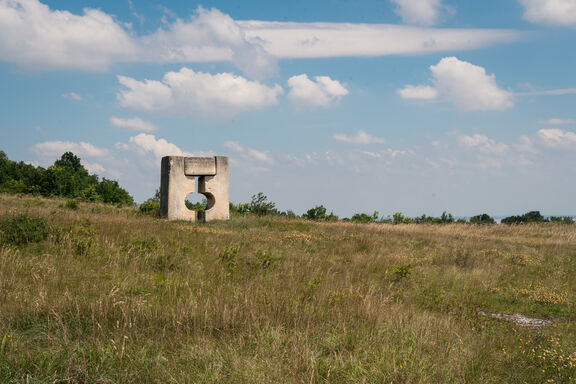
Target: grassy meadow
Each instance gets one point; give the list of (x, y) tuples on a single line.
[(106, 295)]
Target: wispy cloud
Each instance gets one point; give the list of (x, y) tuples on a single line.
[(72, 96), (557, 121), (57, 148), (418, 92), (551, 92), (248, 153), (134, 123), (482, 143), (315, 40), (360, 138)]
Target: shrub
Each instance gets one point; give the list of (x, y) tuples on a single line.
[(289, 214), (364, 218), (482, 219), (150, 207), (261, 206), (239, 209), (402, 271), (562, 219), (229, 257), (110, 192), (23, 229), (318, 213), (530, 217), (82, 237), (71, 204), (399, 218), (446, 218)]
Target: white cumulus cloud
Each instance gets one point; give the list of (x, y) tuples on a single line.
[(550, 138), (187, 92), (146, 144), (360, 138), (420, 12), (319, 93), (557, 138), (57, 148), (550, 12), (465, 85), (483, 143), (34, 36), (134, 123)]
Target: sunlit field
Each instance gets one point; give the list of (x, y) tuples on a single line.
[(91, 293)]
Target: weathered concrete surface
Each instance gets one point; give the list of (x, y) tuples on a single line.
[(215, 188), (199, 166), (178, 180)]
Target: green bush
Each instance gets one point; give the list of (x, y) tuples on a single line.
[(110, 192), (562, 219), (530, 217), (318, 213), (289, 214), (364, 218), (446, 218), (261, 206), (23, 229), (402, 271), (150, 207), (482, 219), (71, 204), (399, 218), (239, 209)]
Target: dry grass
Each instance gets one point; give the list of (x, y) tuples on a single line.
[(114, 297)]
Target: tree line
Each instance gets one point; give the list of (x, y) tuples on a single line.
[(261, 206), (67, 178)]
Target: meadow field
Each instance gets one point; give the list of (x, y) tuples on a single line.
[(92, 293)]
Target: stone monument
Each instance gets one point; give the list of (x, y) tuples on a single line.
[(178, 179)]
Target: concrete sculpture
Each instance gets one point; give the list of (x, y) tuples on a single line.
[(178, 179)]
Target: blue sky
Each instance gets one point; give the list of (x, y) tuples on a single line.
[(417, 106)]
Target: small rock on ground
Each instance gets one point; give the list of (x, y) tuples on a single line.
[(519, 319)]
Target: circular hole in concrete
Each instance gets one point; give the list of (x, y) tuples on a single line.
[(196, 202)]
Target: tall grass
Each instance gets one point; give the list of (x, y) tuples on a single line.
[(111, 296)]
